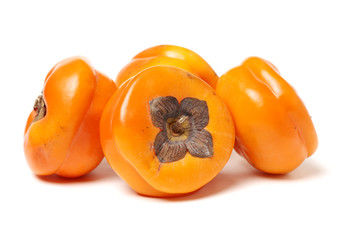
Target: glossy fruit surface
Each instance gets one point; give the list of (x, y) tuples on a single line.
[(142, 143), (274, 130), (62, 132), (169, 55)]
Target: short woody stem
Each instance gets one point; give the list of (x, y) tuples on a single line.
[(176, 127)]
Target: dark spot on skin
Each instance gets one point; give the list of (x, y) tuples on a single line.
[(158, 170), (189, 75)]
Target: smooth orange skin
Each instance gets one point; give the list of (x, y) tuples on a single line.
[(66, 141), (169, 55), (127, 134), (274, 131)]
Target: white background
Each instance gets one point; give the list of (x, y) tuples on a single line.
[(307, 41)]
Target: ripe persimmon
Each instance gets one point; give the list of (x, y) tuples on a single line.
[(62, 131), (166, 132), (169, 55), (274, 130)]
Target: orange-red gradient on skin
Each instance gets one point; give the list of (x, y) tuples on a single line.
[(127, 134), (66, 140), (169, 55), (274, 131)]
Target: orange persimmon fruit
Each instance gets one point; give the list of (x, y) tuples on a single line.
[(62, 132), (169, 55), (166, 132), (274, 130)]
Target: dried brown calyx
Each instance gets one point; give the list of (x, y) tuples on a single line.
[(40, 108), (182, 128)]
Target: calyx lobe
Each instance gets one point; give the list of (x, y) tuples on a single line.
[(40, 108)]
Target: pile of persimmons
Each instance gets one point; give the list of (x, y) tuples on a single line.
[(168, 124)]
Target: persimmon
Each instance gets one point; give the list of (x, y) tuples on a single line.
[(169, 55), (274, 130), (62, 131), (166, 132)]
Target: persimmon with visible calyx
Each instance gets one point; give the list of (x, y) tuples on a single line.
[(62, 132), (274, 130), (169, 55), (166, 132)]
